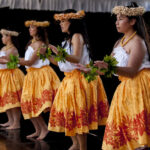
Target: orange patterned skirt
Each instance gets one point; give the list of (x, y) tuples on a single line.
[(39, 89), (11, 83), (79, 106), (128, 124)]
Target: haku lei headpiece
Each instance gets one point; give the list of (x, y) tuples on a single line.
[(37, 23), (8, 32), (80, 14), (123, 10)]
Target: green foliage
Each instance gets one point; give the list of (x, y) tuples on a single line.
[(62, 54), (112, 62), (90, 76), (13, 63), (47, 54)]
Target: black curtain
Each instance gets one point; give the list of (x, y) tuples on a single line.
[(101, 30)]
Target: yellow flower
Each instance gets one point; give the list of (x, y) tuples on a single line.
[(37, 23), (80, 14), (137, 11)]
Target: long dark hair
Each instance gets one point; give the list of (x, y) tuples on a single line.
[(78, 26), (15, 42), (42, 36), (140, 27)]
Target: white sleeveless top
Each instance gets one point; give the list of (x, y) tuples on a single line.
[(38, 63), (3, 66), (122, 57), (68, 66)]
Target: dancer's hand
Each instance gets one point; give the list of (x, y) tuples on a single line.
[(43, 49), (83, 68), (21, 60), (53, 48), (100, 64), (3, 61), (5, 57)]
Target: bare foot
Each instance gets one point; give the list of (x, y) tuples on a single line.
[(33, 135), (6, 124), (43, 134), (142, 148), (12, 127), (74, 147)]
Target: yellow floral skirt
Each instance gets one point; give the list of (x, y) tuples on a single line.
[(79, 106), (39, 89), (11, 83), (128, 124)]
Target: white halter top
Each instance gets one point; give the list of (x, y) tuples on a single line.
[(3, 66), (68, 66), (38, 63), (122, 57)]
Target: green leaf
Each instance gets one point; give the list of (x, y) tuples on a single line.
[(90, 76), (13, 63), (62, 54), (112, 62), (47, 54)]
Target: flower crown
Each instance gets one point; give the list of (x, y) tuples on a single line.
[(80, 14), (37, 23), (8, 32), (123, 10)]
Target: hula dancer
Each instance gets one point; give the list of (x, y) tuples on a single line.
[(41, 82), (11, 81), (79, 106), (128, 124)]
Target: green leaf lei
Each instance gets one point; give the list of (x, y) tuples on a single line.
[(90, 76), (111, 61), (47, 54), (62, 54), (13, 63)]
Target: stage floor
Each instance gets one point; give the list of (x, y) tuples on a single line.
[(15, 140)]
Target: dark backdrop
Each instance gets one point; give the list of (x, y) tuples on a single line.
[(101, 29)]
